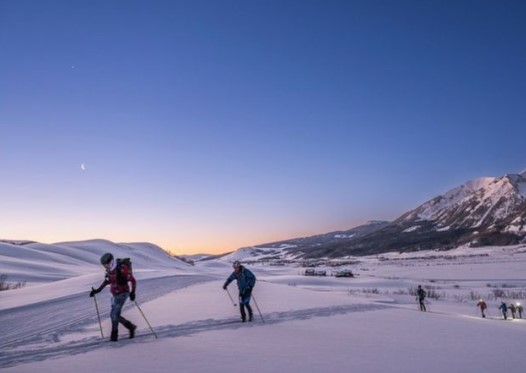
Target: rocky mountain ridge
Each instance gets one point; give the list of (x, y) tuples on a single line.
[(482, 212)]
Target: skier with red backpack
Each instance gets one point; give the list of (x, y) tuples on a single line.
[(118, 275)]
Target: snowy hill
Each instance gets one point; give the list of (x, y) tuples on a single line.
[(35, 262), (245, 254), (303, 247)]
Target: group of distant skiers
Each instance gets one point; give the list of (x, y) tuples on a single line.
[(514, 308), (119, 275)]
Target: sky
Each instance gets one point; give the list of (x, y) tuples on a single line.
[(205, 126)]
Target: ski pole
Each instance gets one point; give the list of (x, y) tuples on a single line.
[(234, 303), (142, 313), (98, 315), (256, 303)]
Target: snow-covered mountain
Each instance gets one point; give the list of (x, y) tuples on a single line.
[(482, 212), (487, 203), (302, 247)]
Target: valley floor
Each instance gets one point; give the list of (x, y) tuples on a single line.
[(365, 324)]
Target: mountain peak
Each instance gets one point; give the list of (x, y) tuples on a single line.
[(523, 173)]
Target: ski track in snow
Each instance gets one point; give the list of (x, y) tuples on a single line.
[(38, 353), (45, 322)]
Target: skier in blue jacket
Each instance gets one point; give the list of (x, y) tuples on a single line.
[(504, 308), (245, 283)]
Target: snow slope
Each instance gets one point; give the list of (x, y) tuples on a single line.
[(365, 324), (36, 263)]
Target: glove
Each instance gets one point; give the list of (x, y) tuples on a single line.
[(132, 296), (224, 287), (93, 292)]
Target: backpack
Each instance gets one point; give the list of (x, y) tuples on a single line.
[(121, 280)]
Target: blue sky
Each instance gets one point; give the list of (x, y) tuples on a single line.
[(205, 126)]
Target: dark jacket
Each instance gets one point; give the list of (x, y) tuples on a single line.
[(245, 279), (119, 283)]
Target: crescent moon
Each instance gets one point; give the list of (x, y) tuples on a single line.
[(83, 167)]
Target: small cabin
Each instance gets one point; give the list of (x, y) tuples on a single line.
[(344, 273), (313, 272)]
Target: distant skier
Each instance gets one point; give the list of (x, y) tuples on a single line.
[(245, 283), (519, 310), (504, 310), (482, 305), (512, 310), (117, 276), (421, 296)]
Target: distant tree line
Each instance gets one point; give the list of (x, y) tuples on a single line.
[(4, 285)]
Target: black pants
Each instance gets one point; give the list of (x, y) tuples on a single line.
[(243, 314)]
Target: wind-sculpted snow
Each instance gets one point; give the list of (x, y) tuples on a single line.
[(13, 355), (42, 263)]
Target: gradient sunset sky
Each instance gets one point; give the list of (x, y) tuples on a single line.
[(205, 126)]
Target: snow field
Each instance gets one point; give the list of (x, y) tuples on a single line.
[(298, 337), (327, 324)]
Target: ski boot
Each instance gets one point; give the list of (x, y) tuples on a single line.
[(131, 328), (114, 335)]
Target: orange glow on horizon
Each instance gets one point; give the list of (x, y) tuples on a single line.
[(184, 241)]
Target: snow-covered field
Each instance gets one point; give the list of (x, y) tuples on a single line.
[(309, 324)]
